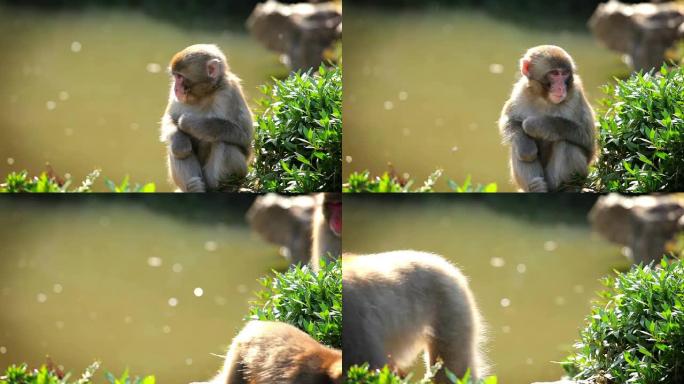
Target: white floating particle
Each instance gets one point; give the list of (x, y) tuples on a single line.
[(506, 329), (128, 319), (76, 46), (241, 288), (403, 95), (454, 148), (68, 131), (550, 246), (496, 69), (41, 297), (177, 268), (3, 350), (135, 126), (578, 288), (497, 262), (51, 105), (59, 324), (154, 261), (210, 246), (521, 268), (153, 68), (173, 302), (198, 292), (57, 288), (559, 300), (188, 361), (529, 361), (166, 329), (348, 159), (505, 302), (388, 105), (406, 132), (10, 160), (64, 96)]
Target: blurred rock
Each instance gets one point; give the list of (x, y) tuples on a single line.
[(301, 32), (285, 221), (645, 224), (641, 31)]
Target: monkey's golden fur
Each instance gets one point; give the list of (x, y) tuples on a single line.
[(267, 352), (397, 304)]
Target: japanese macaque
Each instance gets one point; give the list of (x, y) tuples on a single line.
[(327, 228), (397, 304), (267, 352), (207, 125), (548, 122)]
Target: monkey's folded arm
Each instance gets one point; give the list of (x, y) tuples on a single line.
[(181, 145), (523, 146), (552, 128), (215, 129)]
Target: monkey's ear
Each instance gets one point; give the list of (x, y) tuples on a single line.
[(214, 68), (525, 67)]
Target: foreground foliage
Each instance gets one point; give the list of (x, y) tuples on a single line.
[(642, 135), (48, 374), (390, 182), (298, 139), (363, 375), (308, 300), (18, 182), (636, 333)]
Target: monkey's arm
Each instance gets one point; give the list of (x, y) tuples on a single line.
[(215, 129), (181, 146), (551, 128), (523, 146)]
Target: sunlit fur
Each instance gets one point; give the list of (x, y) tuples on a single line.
[(397, 304), (277, 353)]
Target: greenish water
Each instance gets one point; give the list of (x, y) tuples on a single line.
[(424, 89), (126, 283), (533, 275), (86, 89)]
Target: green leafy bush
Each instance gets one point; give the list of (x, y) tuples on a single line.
[(642, 135), (363, 375), (636, 333), (47, 374), (17, 182), (390, 182), (308, 300), (298, 140)]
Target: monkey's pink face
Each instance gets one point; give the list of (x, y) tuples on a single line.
[(335, 217), (558, 87), (180, 88)]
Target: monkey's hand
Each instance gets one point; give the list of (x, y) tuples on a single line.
[(524, 147), (181, 146), (534, 126)]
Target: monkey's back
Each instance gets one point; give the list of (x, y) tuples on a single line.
[(278, 353), (402, 296)]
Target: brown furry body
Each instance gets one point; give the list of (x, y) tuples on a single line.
[(397, 304), (277, 353)]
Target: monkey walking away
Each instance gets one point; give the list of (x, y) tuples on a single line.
[(207, 126), (548, 122), (397, 304), (267, 352), (327, 228)]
